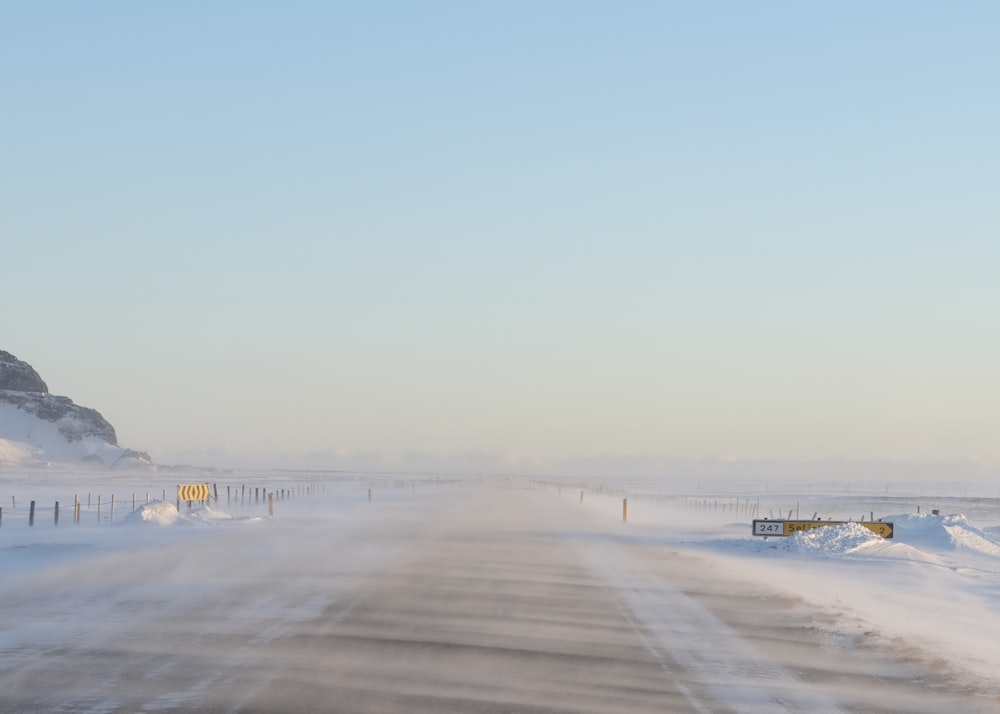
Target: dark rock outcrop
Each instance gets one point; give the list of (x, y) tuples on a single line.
[(19, 376)]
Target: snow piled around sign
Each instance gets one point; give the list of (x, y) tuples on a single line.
[(161, 513), (920, 537), (848, 538)]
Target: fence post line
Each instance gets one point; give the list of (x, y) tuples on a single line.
[(31, 514)]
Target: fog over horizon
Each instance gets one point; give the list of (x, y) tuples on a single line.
[(654, 467)]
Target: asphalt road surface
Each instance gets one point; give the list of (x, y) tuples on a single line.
[(493, 597)]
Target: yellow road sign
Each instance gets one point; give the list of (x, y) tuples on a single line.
[(787, 528), (198, 492)]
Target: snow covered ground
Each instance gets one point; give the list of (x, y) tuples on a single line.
[(423, 593)]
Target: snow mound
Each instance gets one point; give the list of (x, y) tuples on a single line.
[(161, 513), (158, 513), (832, 540), (207, 514), (950, 532)]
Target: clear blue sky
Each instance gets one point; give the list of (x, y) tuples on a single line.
[(552, 229)]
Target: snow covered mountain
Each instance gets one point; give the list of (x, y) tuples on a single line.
[(37, 427)]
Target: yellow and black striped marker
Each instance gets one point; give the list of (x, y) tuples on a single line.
[(197, 492)]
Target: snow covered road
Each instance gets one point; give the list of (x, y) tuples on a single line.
[(476, 597)]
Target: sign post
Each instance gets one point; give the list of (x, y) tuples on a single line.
[(764, 527)]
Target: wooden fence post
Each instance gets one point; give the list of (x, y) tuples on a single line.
[(31, 514), (624, 510), (270, 505), (57, 513)]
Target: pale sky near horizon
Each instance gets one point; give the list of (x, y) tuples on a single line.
[(702, 229)]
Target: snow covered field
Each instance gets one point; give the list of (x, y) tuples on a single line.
[(493, 594)]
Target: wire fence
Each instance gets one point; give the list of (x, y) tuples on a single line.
[(106, 508)]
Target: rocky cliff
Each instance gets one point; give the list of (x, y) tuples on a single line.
[(50, 427)]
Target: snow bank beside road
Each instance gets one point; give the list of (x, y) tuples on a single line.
[(934, 588)]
